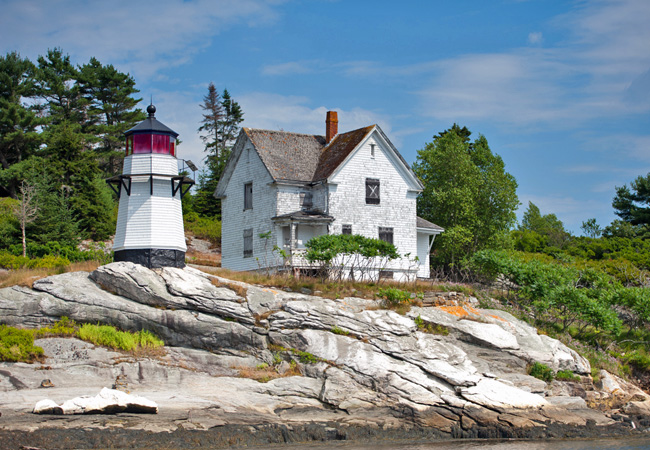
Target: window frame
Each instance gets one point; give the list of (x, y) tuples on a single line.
[(248, 243), (373, 196), (248, 196), (386, 234)]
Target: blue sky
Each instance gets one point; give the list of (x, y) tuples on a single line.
[(561, 89)]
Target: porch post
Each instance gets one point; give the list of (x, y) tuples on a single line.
[(292, 247)]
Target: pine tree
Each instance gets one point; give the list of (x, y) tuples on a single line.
[(221, 122)]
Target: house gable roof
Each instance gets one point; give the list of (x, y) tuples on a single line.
[(338, 150), (287, 156), (306, 158)]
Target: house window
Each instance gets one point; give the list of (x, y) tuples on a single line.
[(305, 200), (346, 229), (386, 234), (248, 242), (248, 196), (372, 150), (372, 191)]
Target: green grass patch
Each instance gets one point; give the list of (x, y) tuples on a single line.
[(341, 331), (431, 328), (566, 375), (108, 336)]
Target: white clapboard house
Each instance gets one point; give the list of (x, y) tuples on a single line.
[(281, 188)]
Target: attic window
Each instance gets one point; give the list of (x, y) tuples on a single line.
[(372, 191), (248, 196), (372, 150), (306, 200)]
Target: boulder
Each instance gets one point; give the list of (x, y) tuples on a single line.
[(108, 401)]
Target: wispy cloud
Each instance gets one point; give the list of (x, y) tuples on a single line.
[(144, 36), (294, 113)]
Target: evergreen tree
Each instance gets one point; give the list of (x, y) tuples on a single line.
[(632, 204), (221, 122), (18, 136), (112, 106)]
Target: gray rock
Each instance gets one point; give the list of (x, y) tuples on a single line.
[(74, 295)]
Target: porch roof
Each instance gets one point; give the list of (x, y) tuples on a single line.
[(304, 216), (424, 226)]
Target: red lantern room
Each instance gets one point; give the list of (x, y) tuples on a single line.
[(151, 136)]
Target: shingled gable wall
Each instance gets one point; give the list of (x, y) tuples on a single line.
[(249, 168), (397, 207)]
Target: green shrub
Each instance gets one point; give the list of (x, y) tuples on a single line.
[(566, 375), (394, 296), (541, 371), (203, 227), (18, 345)]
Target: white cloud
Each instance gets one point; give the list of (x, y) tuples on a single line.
[(601, 70), (535, 38), (144, 36), (293, 113)]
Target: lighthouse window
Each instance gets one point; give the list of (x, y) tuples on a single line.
[(248, 242), (248, 196)]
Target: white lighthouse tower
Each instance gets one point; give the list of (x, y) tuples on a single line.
[(150, 218)]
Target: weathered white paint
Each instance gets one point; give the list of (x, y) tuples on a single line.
[(248, 169), (145, 220), (342, 196), (397, 208)]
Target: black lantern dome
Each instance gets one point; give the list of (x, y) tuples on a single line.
[(151, 136)]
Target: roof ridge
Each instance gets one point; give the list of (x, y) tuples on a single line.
[(282, 131)]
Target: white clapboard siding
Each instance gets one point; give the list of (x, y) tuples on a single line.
[(145, 220), (235, 219)]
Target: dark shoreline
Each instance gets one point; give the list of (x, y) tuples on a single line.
[(228, 436)]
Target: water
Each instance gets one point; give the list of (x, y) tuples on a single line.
[(636, 443)]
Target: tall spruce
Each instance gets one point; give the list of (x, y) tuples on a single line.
[(112, 107), (19, 138), (222, 117)]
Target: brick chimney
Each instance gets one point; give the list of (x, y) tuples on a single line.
[(331, 125)]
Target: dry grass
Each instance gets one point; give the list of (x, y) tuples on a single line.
[(327, 289), (203, 259), (26, 277), (264, 373), (237, 288)]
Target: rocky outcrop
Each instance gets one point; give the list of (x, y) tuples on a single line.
[(351, 362)]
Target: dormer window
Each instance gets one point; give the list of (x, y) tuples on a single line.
[(372, 191)]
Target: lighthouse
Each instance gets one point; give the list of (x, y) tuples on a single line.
[(150, 218)]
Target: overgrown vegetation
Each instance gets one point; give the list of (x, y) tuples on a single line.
[(26, 277), (18, 344), (541, 371)]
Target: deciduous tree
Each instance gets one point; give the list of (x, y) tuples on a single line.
[(466, 191)]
